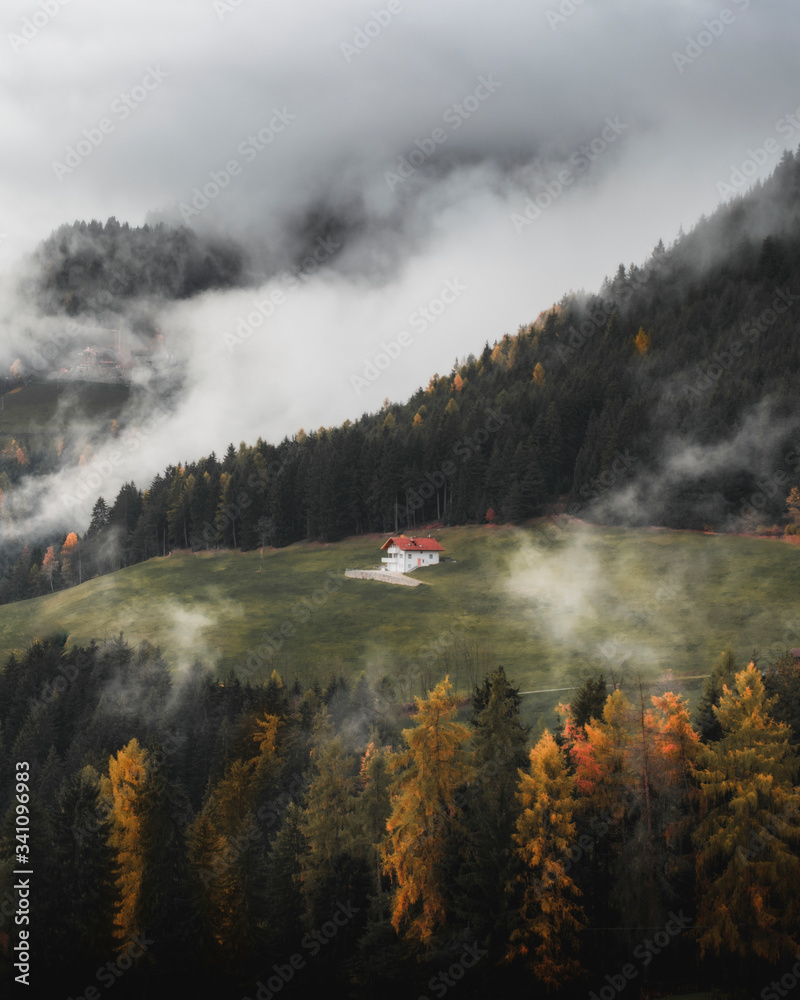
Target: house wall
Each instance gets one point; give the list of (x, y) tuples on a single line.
[(405, 562)]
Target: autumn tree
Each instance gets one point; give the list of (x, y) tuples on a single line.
[(793, 505), (49, 566), (642, 341), (550, 915), (127, 772), (71, 559), (425, 813), (632, 766), (748, 865), (149, 817)]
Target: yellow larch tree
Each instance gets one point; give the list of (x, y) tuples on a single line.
[(425, 813), (550, 915)]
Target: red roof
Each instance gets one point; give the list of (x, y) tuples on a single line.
[(413, 544)]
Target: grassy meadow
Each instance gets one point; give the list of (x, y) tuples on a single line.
[(40, 407), (552, 604)]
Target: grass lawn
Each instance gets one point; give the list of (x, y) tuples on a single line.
[(35, 406), (551, 605)]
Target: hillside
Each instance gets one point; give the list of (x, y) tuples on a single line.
[(668, 398), (551, 605)]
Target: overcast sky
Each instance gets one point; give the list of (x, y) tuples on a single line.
[(619, 119)]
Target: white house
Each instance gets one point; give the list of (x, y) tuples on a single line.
[(404, 554)]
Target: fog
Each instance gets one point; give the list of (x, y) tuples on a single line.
[(473, 164)]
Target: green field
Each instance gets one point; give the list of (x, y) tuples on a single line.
[(44, 407), (551, 605)]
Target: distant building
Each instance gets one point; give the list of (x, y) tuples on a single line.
[(91, 357), (404, 554)]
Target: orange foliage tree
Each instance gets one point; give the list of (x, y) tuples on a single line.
[(550, 915), (425, 813)]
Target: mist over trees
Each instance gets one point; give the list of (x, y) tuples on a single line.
[(85, 268), (670, 398)]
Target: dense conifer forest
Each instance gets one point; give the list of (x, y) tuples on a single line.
[(191, 836)]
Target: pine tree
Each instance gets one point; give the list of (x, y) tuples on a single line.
[(329, 829), (723, 672), (85, 888), (373, 806), (206, 850), (499, 743), (285, 908)]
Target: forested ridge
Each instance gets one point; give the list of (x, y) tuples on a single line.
[(697, 348), (192, 835), (85, 268)]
